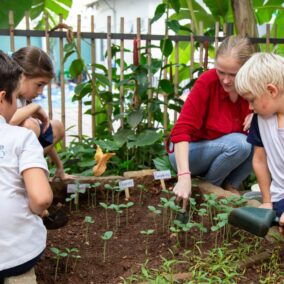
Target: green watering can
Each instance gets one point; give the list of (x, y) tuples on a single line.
[(256, 221)]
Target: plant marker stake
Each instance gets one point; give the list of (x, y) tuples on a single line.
[(162, 175), (125, 184)]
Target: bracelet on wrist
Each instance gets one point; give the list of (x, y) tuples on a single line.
[(184, 173)]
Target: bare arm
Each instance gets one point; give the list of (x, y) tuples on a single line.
[(183, 187), (39, 192), (261, 170), (59, 166), (30, 110)]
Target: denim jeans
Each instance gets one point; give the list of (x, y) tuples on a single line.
[(226, 159)]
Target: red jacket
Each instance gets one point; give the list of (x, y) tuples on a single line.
[(208, 113)]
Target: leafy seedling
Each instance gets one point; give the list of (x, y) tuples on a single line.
[(106, 237), (71, 253), (58, 255), (147, 233), (94, 194), (155, 212), (88, 221)]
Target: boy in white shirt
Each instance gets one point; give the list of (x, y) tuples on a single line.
[(25, 193), (261, 82)]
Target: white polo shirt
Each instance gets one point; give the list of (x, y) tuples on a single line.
[(22, 233)]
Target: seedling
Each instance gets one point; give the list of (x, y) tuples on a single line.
[(58, 255), (94, 194), (128, 205), (147, 233), (69, 199), (106, 207), (142, 189), (71, 253), (106, 236), (117, 216), (108, 188), (88, 220), (156, 212)]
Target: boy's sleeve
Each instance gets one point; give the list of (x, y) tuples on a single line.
[(254, 135)]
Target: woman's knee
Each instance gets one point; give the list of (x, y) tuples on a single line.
[(239, 146)]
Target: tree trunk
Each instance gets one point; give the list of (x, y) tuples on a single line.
[(244, 17)]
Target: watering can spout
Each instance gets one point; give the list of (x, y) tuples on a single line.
[(256, 221)]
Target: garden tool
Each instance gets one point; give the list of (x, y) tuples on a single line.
[(256, 221)]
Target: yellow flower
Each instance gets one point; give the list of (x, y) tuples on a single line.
[(101, 161)]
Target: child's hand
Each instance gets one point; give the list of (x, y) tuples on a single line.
[(281, 223), (60, 174), (247, 122), (266, 205), (43, 117)]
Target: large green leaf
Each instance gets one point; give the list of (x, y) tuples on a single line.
[(145, 138), (218, 8), (166, 46), (76, 68), (18, 7), (135, 117), (50, 7), (122, 135)]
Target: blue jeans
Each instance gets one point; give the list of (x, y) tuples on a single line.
[(226, 159)]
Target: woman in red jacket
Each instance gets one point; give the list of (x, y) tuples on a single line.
[(209, 137)]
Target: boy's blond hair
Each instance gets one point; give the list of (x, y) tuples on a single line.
[(260, 70)]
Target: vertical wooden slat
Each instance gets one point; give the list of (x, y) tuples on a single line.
[(79, 80), (49, 100), (93, 61), (217, 27), (62, 83), (201, 45), (176, 74), (109, 64), (11, 31), (121, 89), (138, 21), (27, 18), (267, 36), (150, 76)]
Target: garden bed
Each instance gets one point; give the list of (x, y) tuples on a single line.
[(216, 256)]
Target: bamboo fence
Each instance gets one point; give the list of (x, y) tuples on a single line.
[(109, 38)]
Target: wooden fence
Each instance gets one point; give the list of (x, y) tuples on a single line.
[(121, 37)]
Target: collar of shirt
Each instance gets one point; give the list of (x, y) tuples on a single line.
[(2, 119)]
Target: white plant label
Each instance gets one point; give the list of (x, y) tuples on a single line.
[(162, 174), (71, 188), (126, 183)]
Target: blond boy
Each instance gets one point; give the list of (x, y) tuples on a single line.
[(261, 82)]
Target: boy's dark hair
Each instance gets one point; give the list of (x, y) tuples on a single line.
[(10, 73), (34, 61)]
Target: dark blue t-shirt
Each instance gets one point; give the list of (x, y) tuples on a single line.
[(254, 135)]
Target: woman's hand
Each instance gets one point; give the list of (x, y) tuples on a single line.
[(247, 122), (182, 189)]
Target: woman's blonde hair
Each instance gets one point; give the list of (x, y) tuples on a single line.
[(237, 46), (260, 70)]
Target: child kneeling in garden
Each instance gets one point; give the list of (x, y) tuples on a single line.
[(261, 82), (37, 73), (25, 193)]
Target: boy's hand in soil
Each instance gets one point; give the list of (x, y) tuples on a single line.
[(183, 189)]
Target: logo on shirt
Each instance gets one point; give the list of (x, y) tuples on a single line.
[(2, 151)]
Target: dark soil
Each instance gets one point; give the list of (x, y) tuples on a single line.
[(125, 250)]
